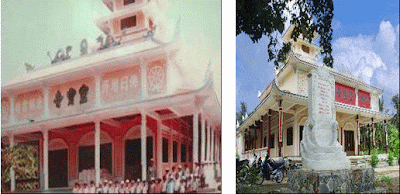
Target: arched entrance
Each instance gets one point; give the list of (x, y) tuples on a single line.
[(133, 152), (86, 154), (58, 163)]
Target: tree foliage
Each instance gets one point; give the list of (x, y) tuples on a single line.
[(24, 160), (258, 18), (396, 104), (241, 113)]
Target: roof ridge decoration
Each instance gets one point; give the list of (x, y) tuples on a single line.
[(208, 78), (175, 37)]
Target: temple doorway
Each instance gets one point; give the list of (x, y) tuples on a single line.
[(349, 142), (86, 157), (58, 168), (133, 161)]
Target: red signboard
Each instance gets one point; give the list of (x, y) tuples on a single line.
[(345, 94), (364, 100)]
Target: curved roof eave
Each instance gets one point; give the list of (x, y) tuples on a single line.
[(276, 90), (334, 72), (203, 89)]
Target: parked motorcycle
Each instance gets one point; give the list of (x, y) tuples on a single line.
[(272, 170)]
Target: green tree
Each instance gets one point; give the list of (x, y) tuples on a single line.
[(241, 113), (24, 160), (396, 104), (258, 18)]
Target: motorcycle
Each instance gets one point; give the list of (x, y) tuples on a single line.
[(272, 170)]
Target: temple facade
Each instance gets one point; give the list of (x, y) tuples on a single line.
[(276, 125), (114, 108)]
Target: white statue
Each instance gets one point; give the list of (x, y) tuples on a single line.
[(319, 148)]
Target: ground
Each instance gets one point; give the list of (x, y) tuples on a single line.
[(391, 171)]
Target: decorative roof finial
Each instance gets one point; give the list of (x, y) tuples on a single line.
[(29, 67)]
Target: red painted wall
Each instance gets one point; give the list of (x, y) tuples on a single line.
[(364, 99), (345, 94)]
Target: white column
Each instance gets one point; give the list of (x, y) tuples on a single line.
[(159, 149), (296, 135), (209, 141), (195, 149), (12, 171), (203, 137), (12, 109), (97, 80), (212, 144), (97, 151), (46, 158), (46, 101), (143, 136)]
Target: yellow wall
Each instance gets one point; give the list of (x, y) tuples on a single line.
[(287, 82)]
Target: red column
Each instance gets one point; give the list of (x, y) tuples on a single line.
[(373, 131), (73, 160), (280, 128), (118, 156), (358, 136), (269, 132)]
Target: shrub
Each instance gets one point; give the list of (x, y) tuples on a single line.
[(373, 159), (390, 159), (245, 180)]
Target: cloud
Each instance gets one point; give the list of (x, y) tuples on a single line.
[(372, 58)]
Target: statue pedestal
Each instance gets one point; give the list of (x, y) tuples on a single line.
[(327, 181)]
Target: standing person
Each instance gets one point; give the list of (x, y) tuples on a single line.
[(151, 170), (133, 187), (145, 187), (170, 185), (177, 184), (111, 187), (85, 188), (180, 172), (127, 186), (92, 188), (139, 187), (104, 187), (158, 186), (76, 188), (164, 184), (187, 171), (182, 188)]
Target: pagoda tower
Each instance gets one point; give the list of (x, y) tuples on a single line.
[(129, 20)]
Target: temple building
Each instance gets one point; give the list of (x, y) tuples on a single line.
[(276, 125), (116, 107)]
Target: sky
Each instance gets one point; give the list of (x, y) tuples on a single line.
[(31, 28), (365, 43)]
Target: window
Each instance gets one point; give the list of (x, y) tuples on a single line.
[(272, 141), (305, 48), (127, 2), (165, 149), (190, 154), (265, 142), (289, 136), (175, 151), (183, 153), (301, 132), (128, 22)]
